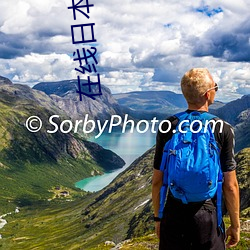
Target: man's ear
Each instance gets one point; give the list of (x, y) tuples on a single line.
[(207, 95)]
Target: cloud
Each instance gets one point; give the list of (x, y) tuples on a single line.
[(32, 27), (142, 45), (34, 68), (230, 45)]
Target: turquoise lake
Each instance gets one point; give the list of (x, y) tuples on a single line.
[(129, 146)]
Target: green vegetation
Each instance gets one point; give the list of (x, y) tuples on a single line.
[(150, 242), (244, 235), (32, 163), (57, 225), (32, 183), (49, 225), (243, 175), (113, 214)]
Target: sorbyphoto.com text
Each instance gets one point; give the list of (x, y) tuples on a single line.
[(87, 126)]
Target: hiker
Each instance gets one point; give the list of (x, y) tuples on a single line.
[(188, 222)]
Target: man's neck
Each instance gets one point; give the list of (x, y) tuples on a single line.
[(198, 107)]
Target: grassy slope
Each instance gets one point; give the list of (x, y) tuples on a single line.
[(31, 164), (54, 225), (150, 242), (60, 225), (57, 226)]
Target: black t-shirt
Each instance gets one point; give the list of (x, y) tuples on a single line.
[(225, 141)]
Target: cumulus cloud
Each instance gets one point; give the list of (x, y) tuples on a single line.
[(34, 68), (230, 45), (142, 45), (33, 26)]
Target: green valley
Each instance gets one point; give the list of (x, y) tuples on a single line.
[(120, 213), (32, 163)]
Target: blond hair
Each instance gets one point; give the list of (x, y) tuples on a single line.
[(195, 83)]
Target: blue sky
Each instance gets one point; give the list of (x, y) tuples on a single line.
[(142, 45)]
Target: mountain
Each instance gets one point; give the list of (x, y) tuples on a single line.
[(237, 114), (32, 163), (232, 110), (216, 105), (242, 130), (149, 104), (243, 175), (138, 105), (63, 93), (121, 211)]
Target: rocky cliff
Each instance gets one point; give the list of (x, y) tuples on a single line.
[(243, 175), (242, 130), (232, 110), (64, 95)]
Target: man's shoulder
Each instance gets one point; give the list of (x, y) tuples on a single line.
[(227, 127)]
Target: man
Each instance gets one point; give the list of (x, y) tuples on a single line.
[(194, 225)]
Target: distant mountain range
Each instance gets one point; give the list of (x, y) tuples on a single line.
[(141, 105), (138, 105), (231, 111), (149, 104)]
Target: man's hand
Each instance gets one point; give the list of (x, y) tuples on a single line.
[(232, 236), (157, 228), (232, 200)]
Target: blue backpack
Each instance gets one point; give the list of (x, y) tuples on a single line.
[(191, 162)]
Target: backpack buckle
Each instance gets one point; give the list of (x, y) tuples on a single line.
[(172, 152)]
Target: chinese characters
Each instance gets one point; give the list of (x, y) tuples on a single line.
[(84, 33)]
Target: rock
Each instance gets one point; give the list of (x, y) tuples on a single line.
[(109, 243)]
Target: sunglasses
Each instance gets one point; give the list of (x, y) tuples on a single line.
[(216, 87)]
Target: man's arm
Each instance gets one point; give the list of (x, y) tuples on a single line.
[(231, 195), (156, 187)]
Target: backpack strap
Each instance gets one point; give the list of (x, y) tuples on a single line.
[(164, 169), (219, 200), (164, 188), (182, 115), (209, 116)]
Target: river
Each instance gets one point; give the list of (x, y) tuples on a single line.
[(128, 146)]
